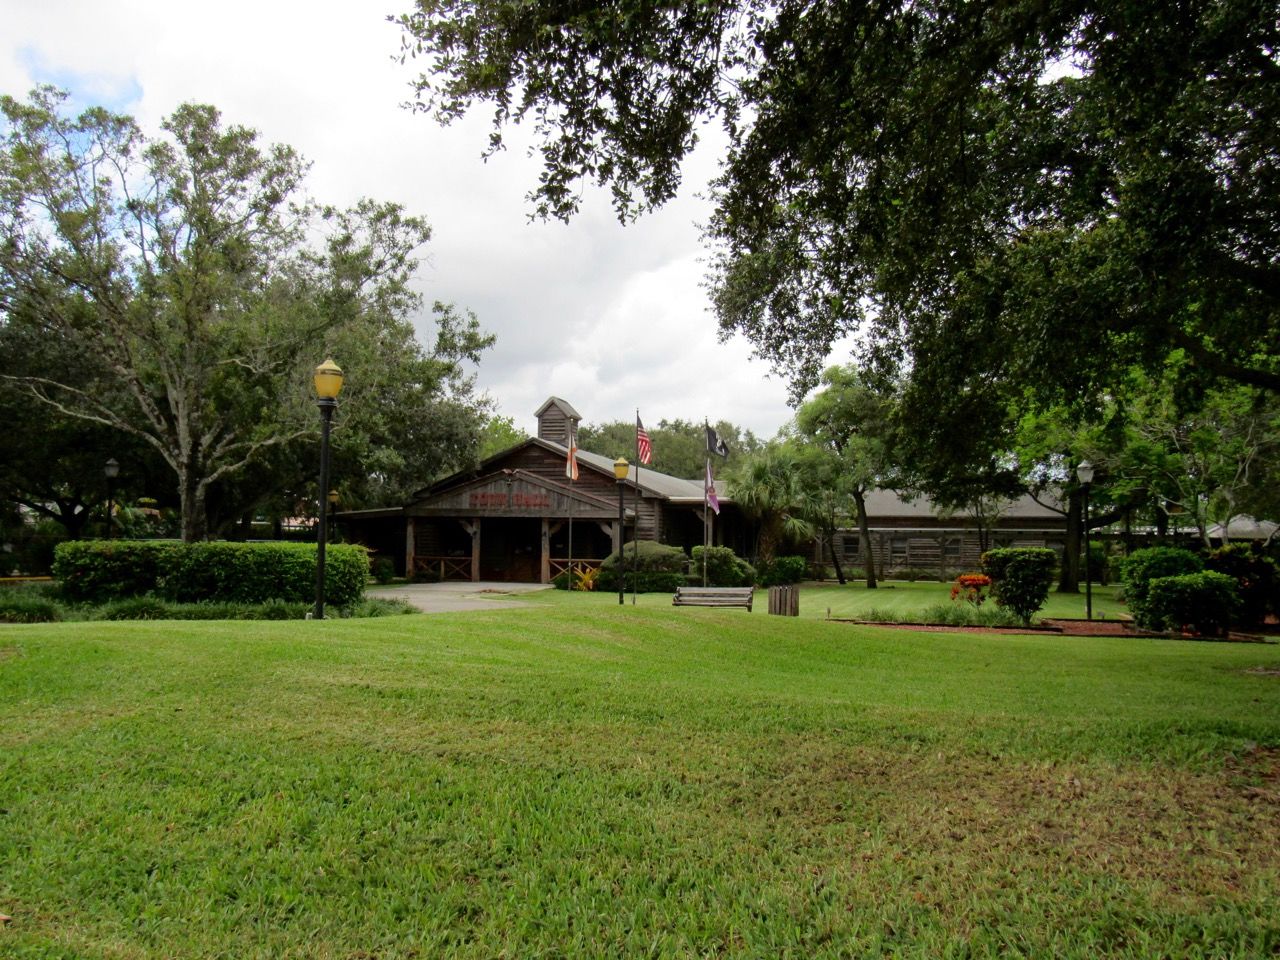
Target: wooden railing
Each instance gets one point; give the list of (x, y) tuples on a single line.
[(446, 568), (580, 565)]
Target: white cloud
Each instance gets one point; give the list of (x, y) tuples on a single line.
[(611, 318)]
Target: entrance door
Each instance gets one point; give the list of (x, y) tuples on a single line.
[(510, 549)]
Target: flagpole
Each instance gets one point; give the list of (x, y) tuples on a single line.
[(635, 537), (706, 518), (573, 443)]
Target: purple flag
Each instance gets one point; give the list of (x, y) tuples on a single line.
[(712, 500)]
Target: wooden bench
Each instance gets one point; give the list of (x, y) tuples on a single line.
[(713, 597)]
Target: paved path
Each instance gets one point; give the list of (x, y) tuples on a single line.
[(451, 597)]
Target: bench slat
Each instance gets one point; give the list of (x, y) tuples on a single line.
[(713, 597)]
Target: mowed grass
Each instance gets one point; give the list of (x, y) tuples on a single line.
[(900, 599), (574, 779)]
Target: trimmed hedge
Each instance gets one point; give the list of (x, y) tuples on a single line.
[(724, 568), (1020, 578), (1151, 563), (1205, 602), (661, 568), (97, 571)]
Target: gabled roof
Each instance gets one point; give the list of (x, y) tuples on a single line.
[(888, 503), (563, 406), (650, 482)]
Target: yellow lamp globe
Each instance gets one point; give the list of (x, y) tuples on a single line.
[(328, 380), (621, 468)]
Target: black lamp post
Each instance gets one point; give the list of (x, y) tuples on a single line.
[(328, 383), (1085, 473), (111, 469), (620, 470)]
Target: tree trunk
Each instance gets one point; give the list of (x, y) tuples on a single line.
[(864, 535), (835, 559), (1069, 575), (195, 520)]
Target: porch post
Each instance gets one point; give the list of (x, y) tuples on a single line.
[(475, 550), (545, 573), (410, 545)]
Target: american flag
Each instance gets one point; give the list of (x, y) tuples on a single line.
[(644, 449)]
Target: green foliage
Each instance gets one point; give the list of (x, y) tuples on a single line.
[(769, 486), (1205, 602), (724, 568), (679, 446), (139, 608), (1143, 566), (1257, 579), (183, 287), (661, 568), (967, 183), (1020, 578), (24, 606), (97, 571), (383, 570), (783, 570)]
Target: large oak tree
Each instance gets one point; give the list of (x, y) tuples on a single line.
[(196, 286), (1036, 192)]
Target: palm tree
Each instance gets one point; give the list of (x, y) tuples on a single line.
[(768, 486)]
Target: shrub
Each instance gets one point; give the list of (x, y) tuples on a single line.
[(1257, 580), (384, 570), (971, 587), (1206, 602), (1020, 578), (915, 575), (724, 568), (661, 568), (783, 570), (1142, 566), (104, 570), (22, 606), (136, 608)]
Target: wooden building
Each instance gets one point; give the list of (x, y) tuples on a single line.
[(517, 517), (914, 536)]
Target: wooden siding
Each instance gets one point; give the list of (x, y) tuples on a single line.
[(554, 426), (948, 552)]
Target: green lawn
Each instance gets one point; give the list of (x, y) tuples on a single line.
[(854, 601), (572, 779)]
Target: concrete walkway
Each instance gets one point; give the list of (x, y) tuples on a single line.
[(451, 597)]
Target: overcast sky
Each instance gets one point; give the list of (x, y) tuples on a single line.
[(610, 318)]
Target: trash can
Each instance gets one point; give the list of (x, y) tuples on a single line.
[(784, 601)]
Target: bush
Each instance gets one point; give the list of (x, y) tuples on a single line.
[(1205, 602), (661, 568), (22, 606), (915, 575), (971, 587), (1257, 580), (1142, 566), (97, 571), (724, 568), (384, 570), (783, 570), (104, 570), (1020, 578)]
